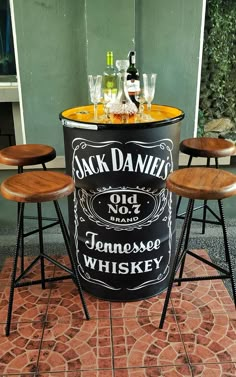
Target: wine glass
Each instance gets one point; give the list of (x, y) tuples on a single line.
[(95, 91), (149, 83), (107, 98), (139, 96)]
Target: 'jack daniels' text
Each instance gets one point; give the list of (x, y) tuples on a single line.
[(116, 160)]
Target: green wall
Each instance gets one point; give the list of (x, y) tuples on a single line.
[(110, 27), (168, 42), (61, 41), (51, 38)]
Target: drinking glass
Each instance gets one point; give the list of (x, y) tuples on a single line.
[(149, 83), (139, 96), (95, 91), (106, 100)]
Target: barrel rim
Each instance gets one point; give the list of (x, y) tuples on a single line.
[(118, 126)]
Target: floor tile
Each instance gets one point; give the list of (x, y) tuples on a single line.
[(138, 372), (200, 297), (20, 375), (6, 270), (138, 342), (64, 260), (232, 319), (210, 338), (76, 345), (197, 298), (176, 371), (198, 339), (65, 304), (214, 370), (194, 267), (147, 307), (168, 371), (86, 373), (30, 304), (34, 274), (19, 352)]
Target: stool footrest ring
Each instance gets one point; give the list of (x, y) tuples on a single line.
[(46, 280), (206, 261), (43, 228), (43, 218), (200, 278), (72, 272), (206, 221), (180, 259)]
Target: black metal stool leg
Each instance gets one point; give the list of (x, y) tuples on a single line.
[(204, 216), (180, 197), (227, 253), (177, 260), (73, 264), (22, 265), (20, 170), (57, 207), (205, 205), (22, 247), (13, 276), (189, 223), (41, 246), (222, 221)]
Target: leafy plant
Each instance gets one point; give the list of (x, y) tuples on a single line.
[(201, 123), (218, 88)]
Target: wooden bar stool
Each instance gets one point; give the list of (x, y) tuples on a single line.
[(28, 155), (208, 148), (37, 187), (205, 184)]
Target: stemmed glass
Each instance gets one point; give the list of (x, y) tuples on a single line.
[(95, 91), (139, 96), (106, 100), (149, 83)]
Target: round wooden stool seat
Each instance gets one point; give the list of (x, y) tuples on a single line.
[(202, 183), (37, 186), (27, 154), (207, 147)]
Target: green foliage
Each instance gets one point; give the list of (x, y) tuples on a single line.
[(201, 123), (218, 92)]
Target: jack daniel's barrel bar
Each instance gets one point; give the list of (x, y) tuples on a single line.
[(122, 218)]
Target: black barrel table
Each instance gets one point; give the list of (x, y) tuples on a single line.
[(121, 216)]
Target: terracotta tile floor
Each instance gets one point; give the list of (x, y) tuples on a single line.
[(50, 338)]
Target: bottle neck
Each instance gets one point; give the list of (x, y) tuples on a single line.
[(109, 60), (132, 60)]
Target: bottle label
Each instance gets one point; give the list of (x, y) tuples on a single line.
[(109, 95), (133, 86), (110, 86), (132, 60), (110, 82)]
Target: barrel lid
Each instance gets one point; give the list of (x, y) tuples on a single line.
[(83, 117)]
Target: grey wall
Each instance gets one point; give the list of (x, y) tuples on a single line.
[(61, 41)]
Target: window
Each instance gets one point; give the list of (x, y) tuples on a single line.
[(7, 58)]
